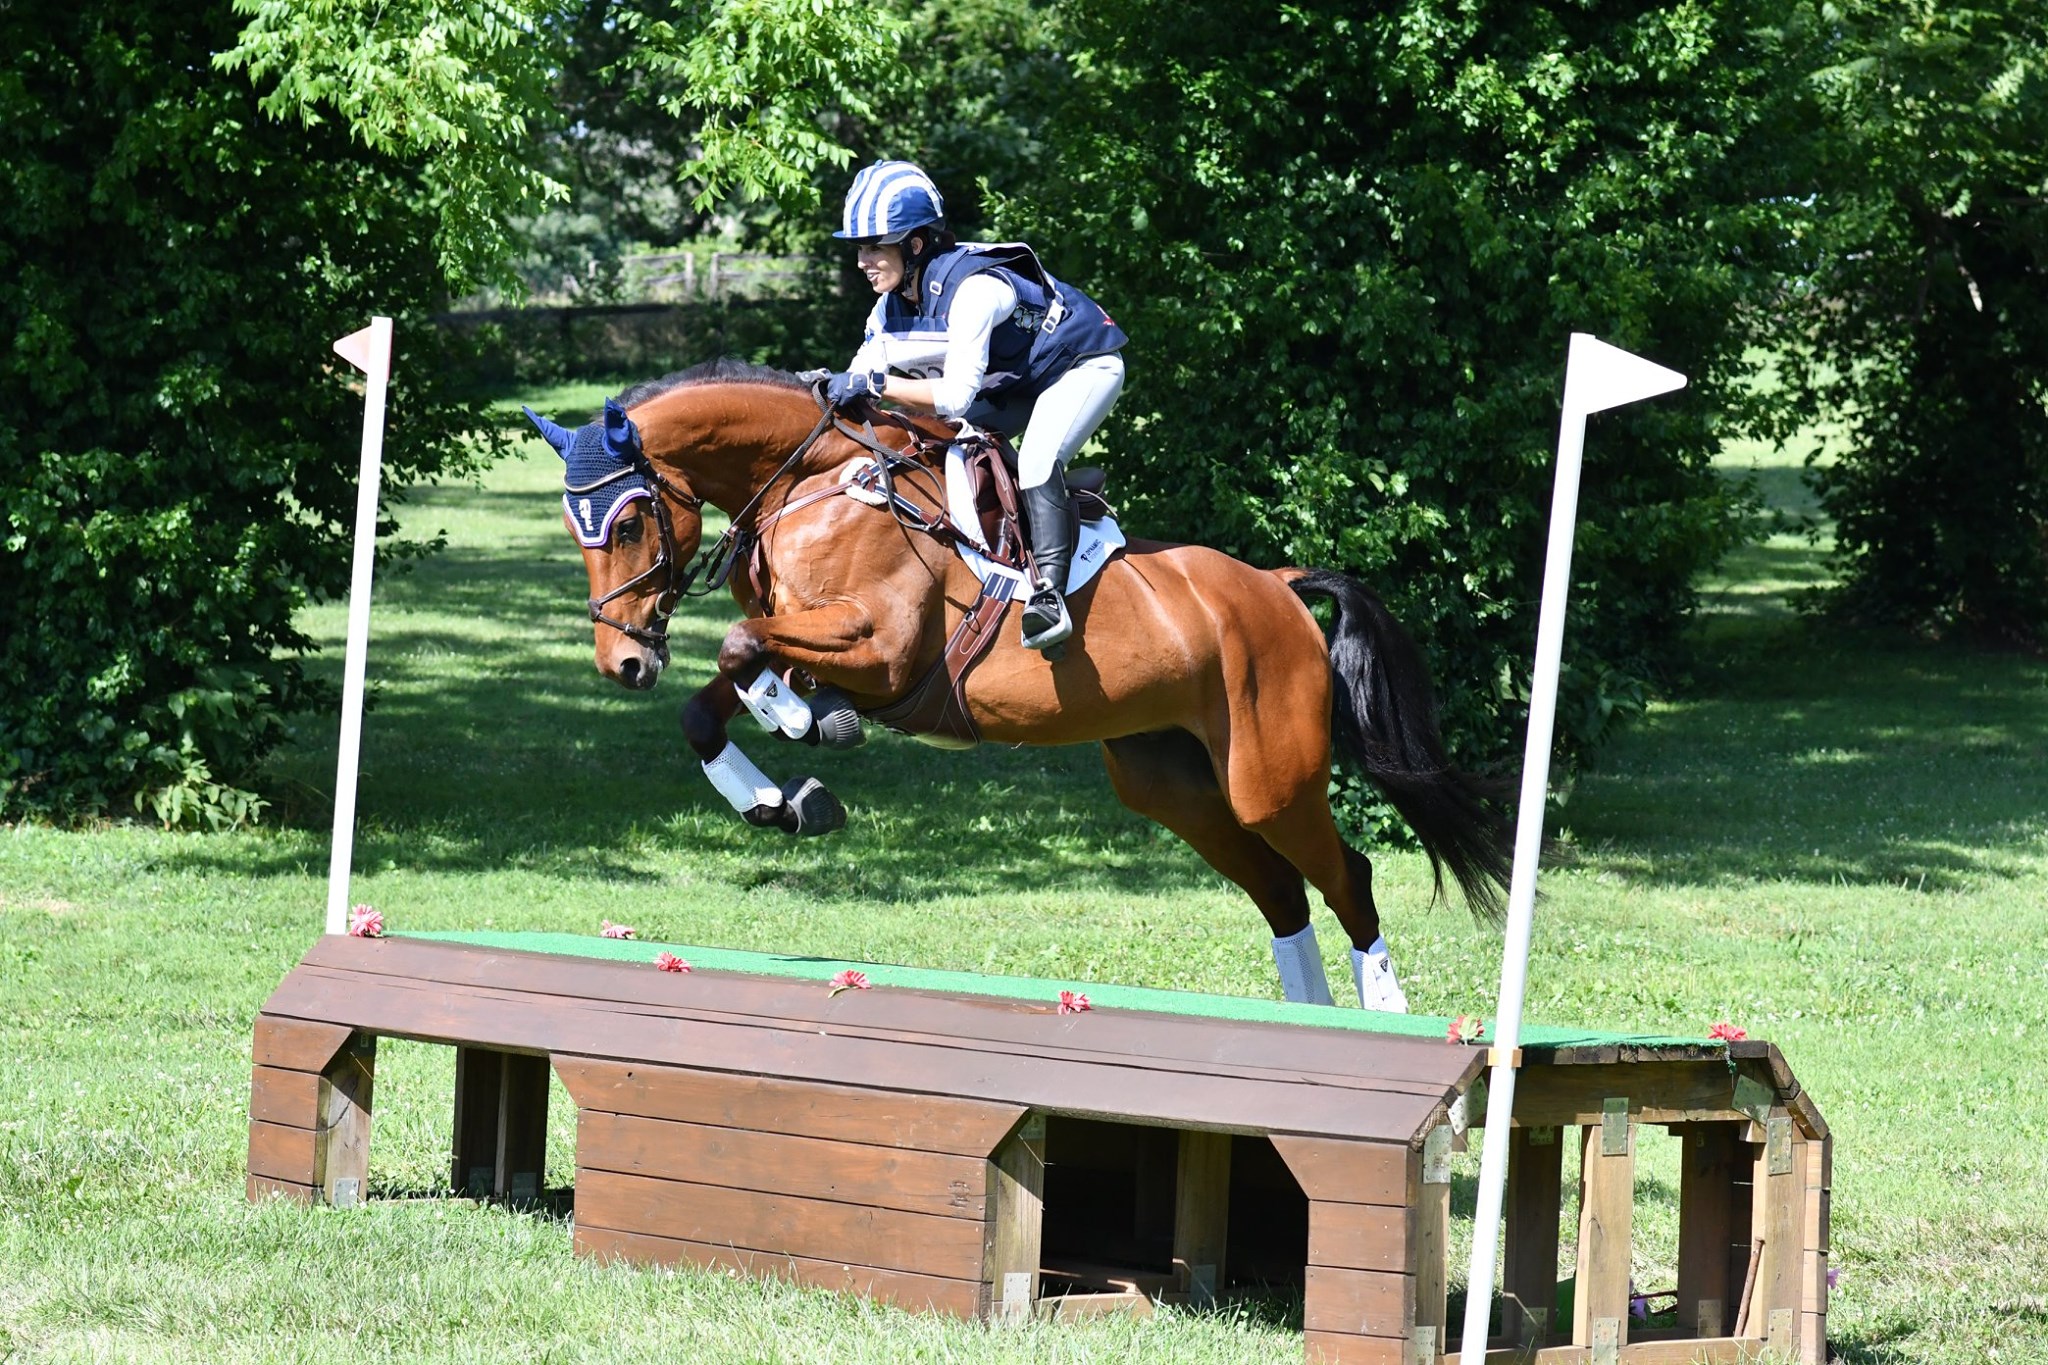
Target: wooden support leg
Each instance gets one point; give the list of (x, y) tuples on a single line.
[(1534, 1203), (1778, 1210), (1016, 1222), (1432, 1203), (1201, 1215), (341, 1141), (501, 1124), (1712, 1156), (1813, 1277), (309, 1110), (1607, 1181)]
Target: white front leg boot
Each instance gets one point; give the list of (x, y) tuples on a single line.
[(740, 782), (1372, 969), (775, 706), (1300, 962)]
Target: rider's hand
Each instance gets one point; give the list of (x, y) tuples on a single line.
[(849, 385)]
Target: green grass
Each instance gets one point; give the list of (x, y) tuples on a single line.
[(1839, 843)]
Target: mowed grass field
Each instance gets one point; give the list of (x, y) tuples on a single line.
[(1839, 843)]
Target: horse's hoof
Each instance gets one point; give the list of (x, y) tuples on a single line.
[(838, 724), (817, 810)]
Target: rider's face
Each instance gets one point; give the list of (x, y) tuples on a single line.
[(883, 265)]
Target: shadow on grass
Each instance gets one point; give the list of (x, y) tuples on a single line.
[(1814, 755)]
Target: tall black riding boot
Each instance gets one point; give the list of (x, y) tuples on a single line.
[(1050, 513)]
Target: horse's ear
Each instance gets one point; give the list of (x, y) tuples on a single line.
[(620, 435), (554, 434)]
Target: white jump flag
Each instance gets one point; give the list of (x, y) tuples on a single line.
[(369, 351), (1596, 377)]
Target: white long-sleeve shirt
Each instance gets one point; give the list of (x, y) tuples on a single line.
[(956, 358)]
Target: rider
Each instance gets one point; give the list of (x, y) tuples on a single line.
[(982, 334)]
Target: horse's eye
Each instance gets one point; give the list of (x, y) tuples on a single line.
[(629, 531)]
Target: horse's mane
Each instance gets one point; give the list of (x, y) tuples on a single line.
[(724, 370)]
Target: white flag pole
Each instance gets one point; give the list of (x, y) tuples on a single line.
[(369, 351), (1597, 376)]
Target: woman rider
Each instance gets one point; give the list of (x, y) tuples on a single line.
[(982, 334)]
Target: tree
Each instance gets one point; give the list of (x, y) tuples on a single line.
[(177, 468), (1349, 244), (1923, 324)]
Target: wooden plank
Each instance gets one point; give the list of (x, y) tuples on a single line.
[(262, 1187), (1607, 1186), (1201, 1216), (919, 1293), (776, 1164), (928, 1123), (281, 1153), (1168, 1037), (1349, 1172), (1075, 1306), (1345, 1348), (887, 1239), (1533, 1226), (1052, 1047), (479, 1085), (523, 1129), (1370, 1303), (1711, 1156), (1778, 1204), (1013, 1251), (1430, 1193), (1658, 1092), (341, 1139), (1358, 1236), (296, 1044), (1169, 1099), (291, 1098), (1714, 1351)]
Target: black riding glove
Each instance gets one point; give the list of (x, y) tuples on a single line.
[(845, 387)]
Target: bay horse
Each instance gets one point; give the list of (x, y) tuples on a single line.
[(1215, 694)]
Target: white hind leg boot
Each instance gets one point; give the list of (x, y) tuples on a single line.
[(1301, 968), (1378, 988)]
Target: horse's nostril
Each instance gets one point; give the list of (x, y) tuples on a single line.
[(629, 671)]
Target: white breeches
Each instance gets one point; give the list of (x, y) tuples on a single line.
[(1064, 417)]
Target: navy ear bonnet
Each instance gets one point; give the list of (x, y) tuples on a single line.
[(600, 475)]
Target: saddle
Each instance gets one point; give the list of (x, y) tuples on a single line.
[(935, 708)]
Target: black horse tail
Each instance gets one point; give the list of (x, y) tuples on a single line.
[(1383, 719)]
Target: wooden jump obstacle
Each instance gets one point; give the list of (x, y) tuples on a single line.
[(972, 1151)]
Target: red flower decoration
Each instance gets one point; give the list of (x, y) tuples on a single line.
[(1725, 1032), (1073, 1002), (366, 922), (611, 930), (849, 980), (669, 962), (1466, 1028)]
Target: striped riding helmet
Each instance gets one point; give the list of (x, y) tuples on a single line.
[(887, 201)]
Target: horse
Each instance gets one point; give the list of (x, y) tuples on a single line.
[(1217, 698)]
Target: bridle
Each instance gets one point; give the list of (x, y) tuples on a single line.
[(659, 491), (715, 564)]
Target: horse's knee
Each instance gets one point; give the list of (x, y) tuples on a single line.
[(741, 654)]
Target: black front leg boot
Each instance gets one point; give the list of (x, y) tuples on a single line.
[(1050, 513)]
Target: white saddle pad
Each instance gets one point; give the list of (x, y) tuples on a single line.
[(1098, 541)]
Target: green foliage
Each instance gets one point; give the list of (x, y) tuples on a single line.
[(178, 467), (1925, 315), (1349, 246), (465, 90)]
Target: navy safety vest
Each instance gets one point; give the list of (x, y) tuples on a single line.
[(1054, 325)]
